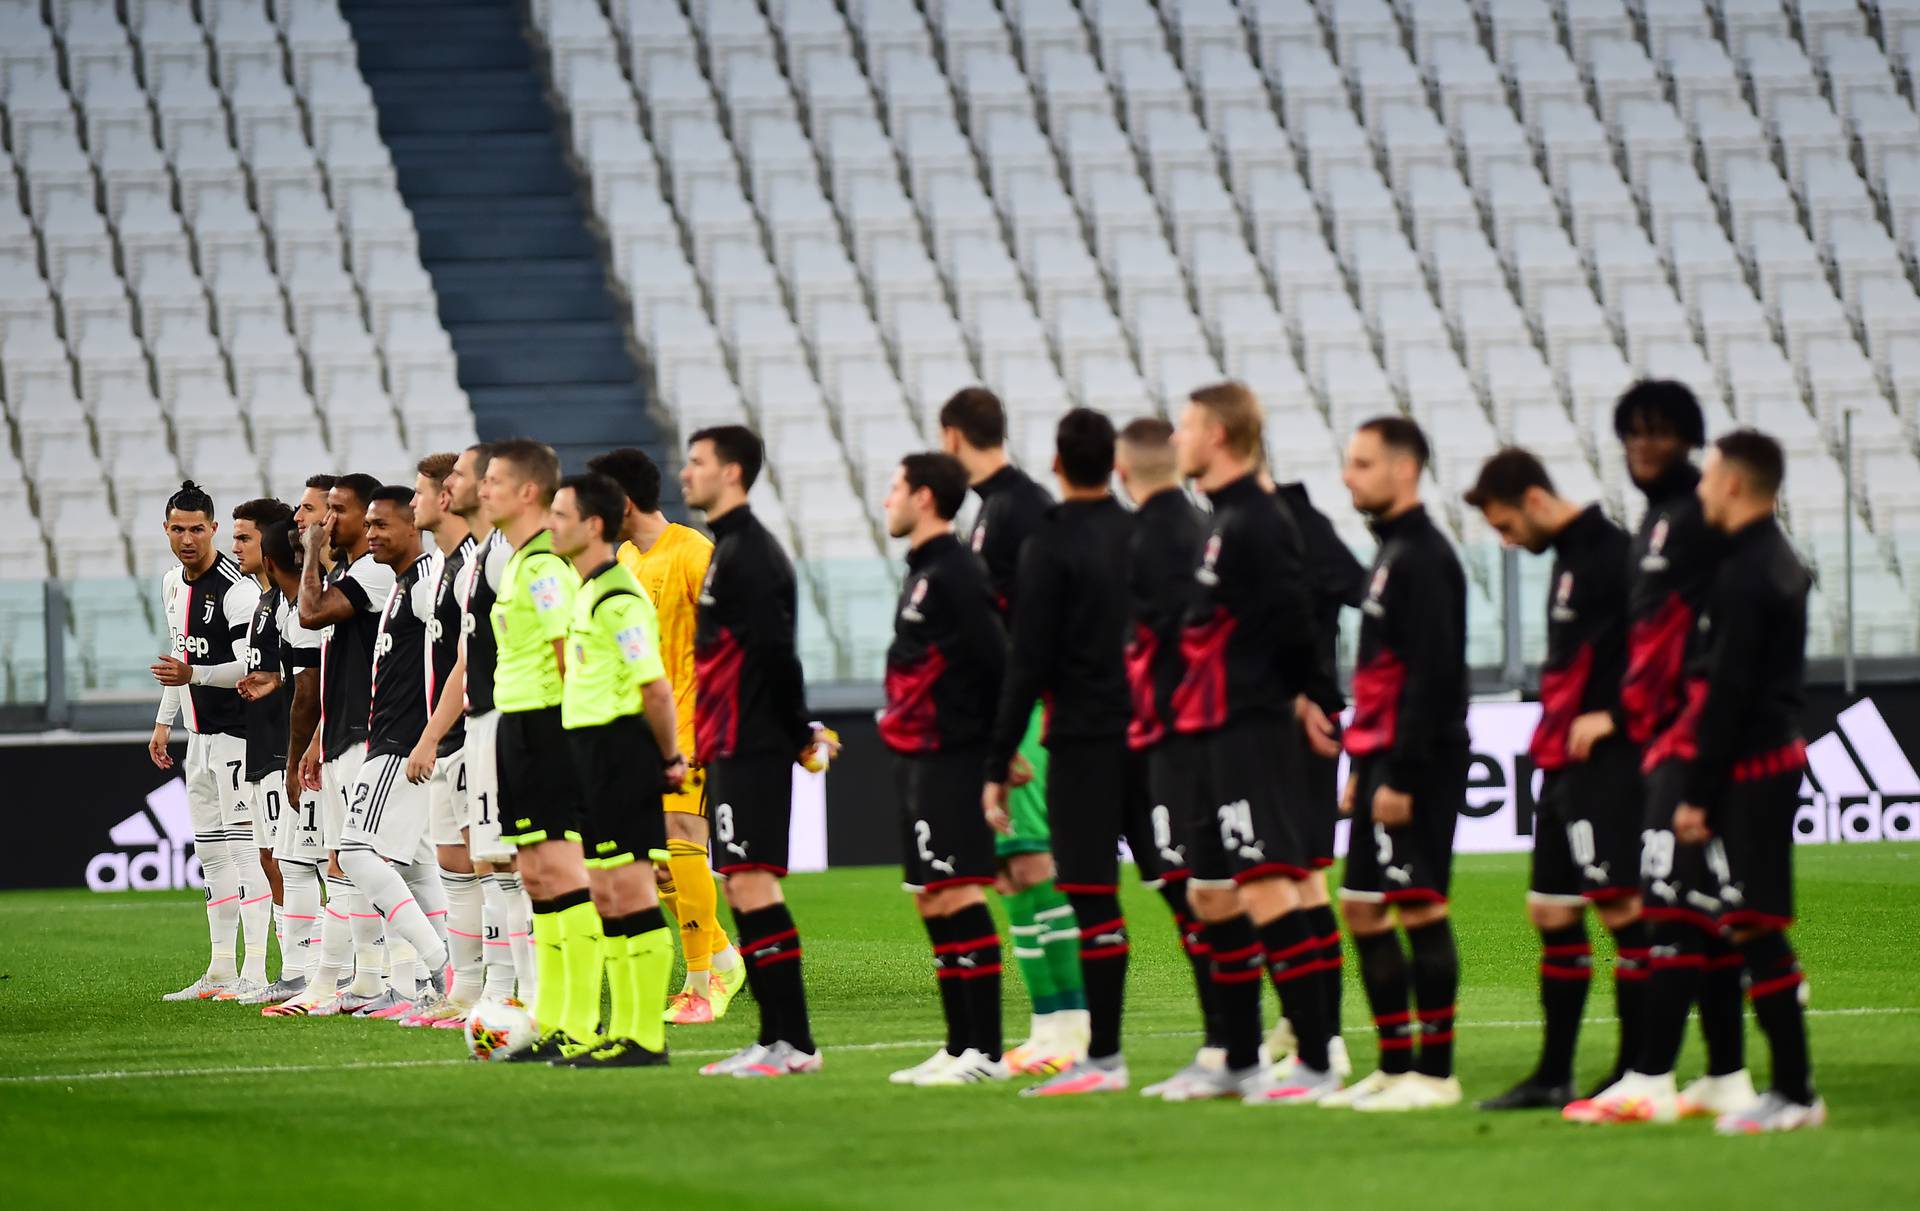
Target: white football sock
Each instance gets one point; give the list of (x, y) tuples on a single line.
[(223, 902), (464, 908), (336, 937), (370, 958), (299, 919), (497, 951), (256, 905), (388, 893), (520, 935)]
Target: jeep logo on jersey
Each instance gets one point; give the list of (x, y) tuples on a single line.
[(911, 612), (150, 858), (435, 629), (383, 645), (191, 645), (1206, 573), (468, 624), (1656, 541), (1563, 599)]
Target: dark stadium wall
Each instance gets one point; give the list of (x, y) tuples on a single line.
[(96, 813)]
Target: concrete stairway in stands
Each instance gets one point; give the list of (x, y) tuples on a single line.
[(522, 278)]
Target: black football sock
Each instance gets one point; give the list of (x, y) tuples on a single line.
[(1630, 991), (1326, 930), (1566, 974), (1774, 980), (1193, 942), (976, 954), (1103, 962), (771, 945), (1676, 961), (1237, 962), (1383, 971), (1292, 955), (1722, 1015), (1436, 983), (946, 976)]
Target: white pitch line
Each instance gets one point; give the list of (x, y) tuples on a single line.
[(54, 1078)]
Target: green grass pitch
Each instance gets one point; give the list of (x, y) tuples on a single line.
[(109, 1098)]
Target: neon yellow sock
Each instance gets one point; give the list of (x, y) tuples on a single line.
[(649, 967), (580, 953), (625, 1011), (550, 995)]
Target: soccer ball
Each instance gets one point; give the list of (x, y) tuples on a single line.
[(498, 1029)]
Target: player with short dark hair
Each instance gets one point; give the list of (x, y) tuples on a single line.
[(617, 708), (383, 847), (345, 604), (439, 757), (1408, 742), (266, 727), (944, 669), (1673, 559), (208, 605), (1046, 937), (1069, 642), (294, 678), (1586, 835), (750, 725), (1168, 534), (540, 810), (1248, 642), (670, 562)]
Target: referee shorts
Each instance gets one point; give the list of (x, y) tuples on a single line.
[(539, 790)]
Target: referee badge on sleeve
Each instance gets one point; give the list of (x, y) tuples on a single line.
[(633, 643), (546, 593)]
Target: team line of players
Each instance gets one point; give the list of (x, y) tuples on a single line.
[(1186, 666)]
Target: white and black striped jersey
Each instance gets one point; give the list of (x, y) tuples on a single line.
[(403, 680), (479, 588), (346, 655), (266, 717), (444, 631), (207, 620), (299, 652)]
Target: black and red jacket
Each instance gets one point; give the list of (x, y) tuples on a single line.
[(948, 654), (1586, 632), (1249, 643), (1070, 623), (1338, 581), (1168, 534), (753, 696), (1746, 671), (1410, 679), (1011, 506), (1671, 568)]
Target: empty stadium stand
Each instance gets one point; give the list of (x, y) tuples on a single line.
[(242, 234)]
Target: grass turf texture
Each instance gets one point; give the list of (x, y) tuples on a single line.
[(108, 1097)]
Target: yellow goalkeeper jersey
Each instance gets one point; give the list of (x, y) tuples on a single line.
[(671, 572)]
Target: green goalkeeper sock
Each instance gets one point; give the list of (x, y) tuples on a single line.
[(649, 968), (581, 959), (1030, 952), (1060, 938)]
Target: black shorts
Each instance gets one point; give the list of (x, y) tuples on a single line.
[(945, 840), (750, 800), (1677, 882), (1086, 791), (1755, 827), (1586, 839), (1412, 864), (1316, 805), (1155, 816), (539, 788), (1241, 827), (621, 780)]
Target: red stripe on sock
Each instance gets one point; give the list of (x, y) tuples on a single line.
[(1631, 975), (1392, 1019), (1275, 956), (1664, 962), (779, 957), (397, 907), (1565, 973), (1732, 962), (1237, 956), (1283, 977), (1088, 931), (227, 900), (1087, 889), (1391, 1043), (1105, 952), (462, 934), (1445, 1036), (1436, 1015), (1767, 988), (992, 969), (1567, 952), (772, 940), (947, 948), (1235, 977)]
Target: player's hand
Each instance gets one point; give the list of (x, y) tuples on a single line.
[(313, 536), (993, 804), (1588, 730), (1321, 737), (1690, 825), (1020, 772), (1392, 808), (420, 761), (326, 528), (677, 772), (255, 686), (157, 746), (1347, 793), (168, 671), (310, 769), (822, 751)]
